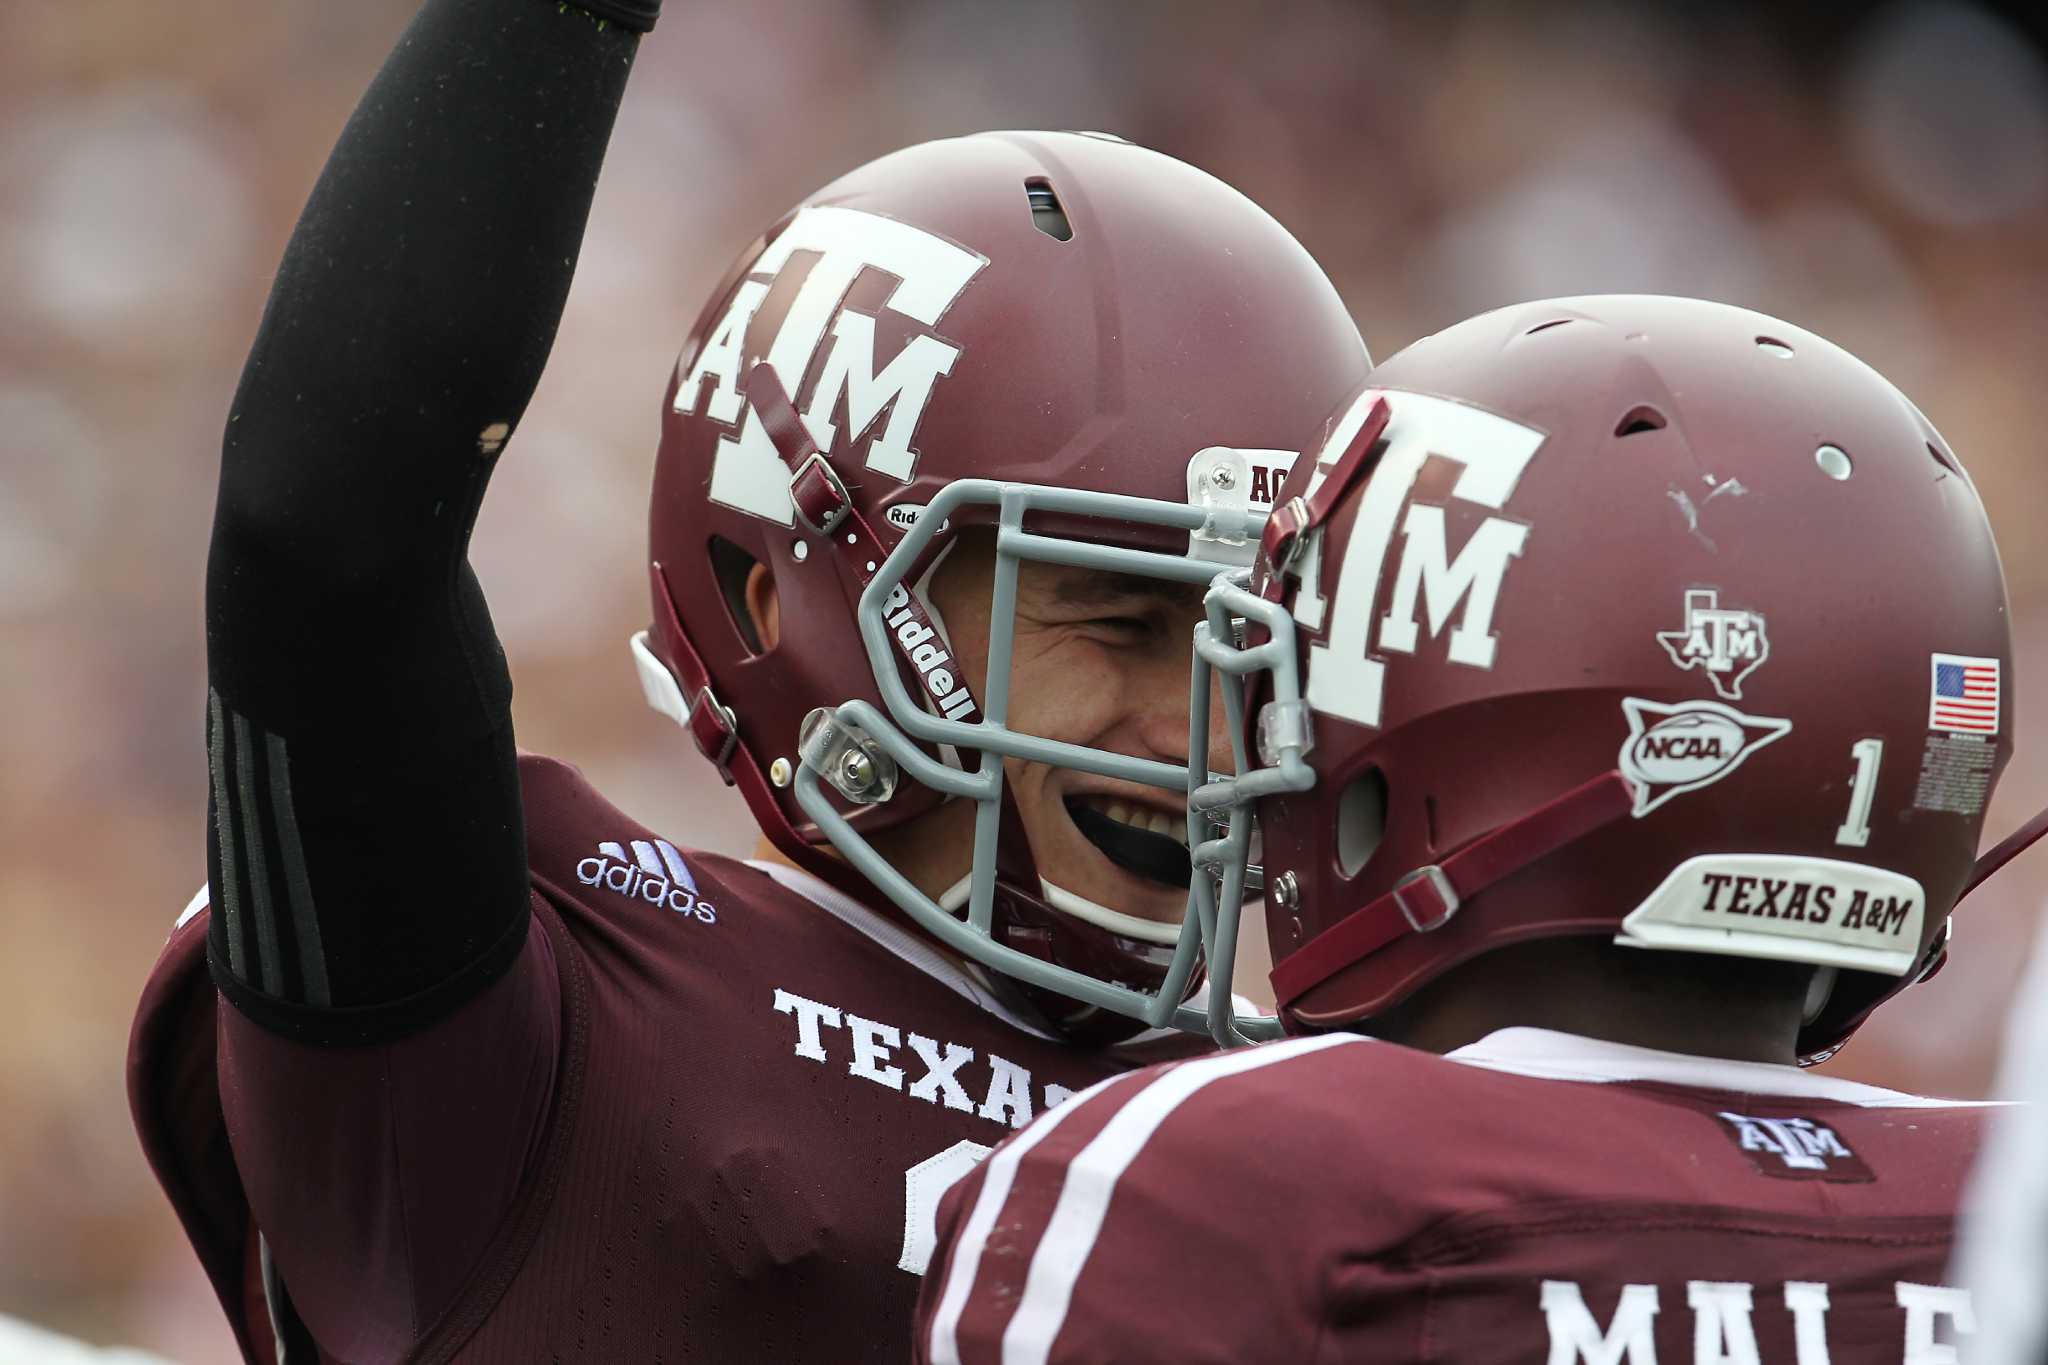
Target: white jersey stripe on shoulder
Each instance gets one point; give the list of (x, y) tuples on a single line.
[(1545, 1054), (1091, 1182), (943, 1347), (200, 899)]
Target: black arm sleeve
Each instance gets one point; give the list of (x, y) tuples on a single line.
[(367, 854)]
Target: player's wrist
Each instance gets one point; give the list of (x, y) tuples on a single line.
[(637, 15)]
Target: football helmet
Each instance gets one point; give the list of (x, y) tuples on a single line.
[(1105, 353), (1646, 618)]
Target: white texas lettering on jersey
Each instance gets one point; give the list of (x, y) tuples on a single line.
[(1004, 1088), (1723, 1322), (930, 272), (872, 1052), (1343, 679)]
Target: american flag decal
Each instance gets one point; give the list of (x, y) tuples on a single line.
[(1964, 696)]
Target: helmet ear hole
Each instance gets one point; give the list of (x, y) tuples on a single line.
[(1361, 820), (730, 566)]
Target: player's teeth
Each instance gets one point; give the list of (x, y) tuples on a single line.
[(1119, 812), (1179, 830), (1159, 822)]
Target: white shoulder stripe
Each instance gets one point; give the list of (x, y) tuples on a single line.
[(1091, 1182), (944, 1345), (1545, 1054), (200, 900)]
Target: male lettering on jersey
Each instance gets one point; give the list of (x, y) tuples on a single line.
[(456, 1061), (1553, 919)]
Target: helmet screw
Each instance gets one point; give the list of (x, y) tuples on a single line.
[(779, 772), (1286, 891), (1223, 476), (857, 770)]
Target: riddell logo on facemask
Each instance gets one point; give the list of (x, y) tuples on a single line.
[(918, 642), (654, 872)]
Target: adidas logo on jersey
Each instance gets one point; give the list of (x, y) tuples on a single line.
[(654, 872)]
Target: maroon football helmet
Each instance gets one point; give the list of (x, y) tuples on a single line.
[(1646, 618), (1056, 309)]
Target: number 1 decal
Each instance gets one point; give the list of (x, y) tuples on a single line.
[(1855, 831)]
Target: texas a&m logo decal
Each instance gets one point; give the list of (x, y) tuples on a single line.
[(1795, 1148), (1433, 592), (839, 243), (1725, 643)]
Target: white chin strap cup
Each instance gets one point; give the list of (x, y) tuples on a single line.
[(1166, 933)]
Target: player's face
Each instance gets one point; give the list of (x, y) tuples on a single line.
[(1101, 660)]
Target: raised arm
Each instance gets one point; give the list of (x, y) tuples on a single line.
[(359, 721), (391, 1050)]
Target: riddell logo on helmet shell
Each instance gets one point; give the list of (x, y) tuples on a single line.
[(904, 515), (658, 877), (1677, 748)]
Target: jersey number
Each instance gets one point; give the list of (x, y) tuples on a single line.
[(924, 1185)]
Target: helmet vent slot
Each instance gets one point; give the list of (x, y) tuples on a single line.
[(1641, 418), (1546, 326), (1046, 214), (1943, 458), (1773, 346)]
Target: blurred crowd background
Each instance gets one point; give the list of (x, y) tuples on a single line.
[(1876, 173)]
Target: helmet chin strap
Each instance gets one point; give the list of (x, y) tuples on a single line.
[(1427, 898), (1028, 919), (2004, 851), (1080, 907)]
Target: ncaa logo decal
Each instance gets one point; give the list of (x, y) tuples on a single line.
[(1724, 643), (1674, 748)]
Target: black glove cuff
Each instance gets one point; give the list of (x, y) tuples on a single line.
[(637, 15)]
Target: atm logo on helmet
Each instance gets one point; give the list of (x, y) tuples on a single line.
[(1432, 589), (838, 243), (1678, 748)]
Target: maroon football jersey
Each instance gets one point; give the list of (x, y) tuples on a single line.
[(1535, 1197), (708, 1116)]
